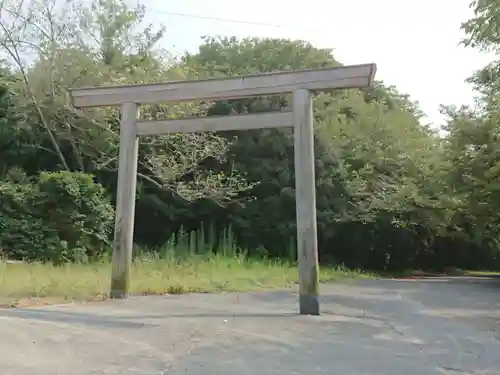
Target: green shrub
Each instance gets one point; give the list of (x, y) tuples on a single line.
[(23, 235), (78, 209), (63, 217)]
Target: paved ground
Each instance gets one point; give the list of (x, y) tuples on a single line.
[(381, 327)]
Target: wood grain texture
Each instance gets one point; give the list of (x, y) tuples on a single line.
[(305, 195), (125, 202), (216, 123), (227, 88)]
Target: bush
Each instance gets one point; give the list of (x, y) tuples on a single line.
[(23, 235), (62, 217), (78, 209)]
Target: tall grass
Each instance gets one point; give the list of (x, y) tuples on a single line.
[(194, 261), (207, 243), (195, 243)]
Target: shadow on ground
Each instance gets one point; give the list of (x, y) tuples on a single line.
[(428, 326)]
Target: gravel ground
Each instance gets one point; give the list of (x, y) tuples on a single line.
[(383, 327)]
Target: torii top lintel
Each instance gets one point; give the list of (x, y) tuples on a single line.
[(324, 79)]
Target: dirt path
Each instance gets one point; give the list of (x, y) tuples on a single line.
[(386, 327)]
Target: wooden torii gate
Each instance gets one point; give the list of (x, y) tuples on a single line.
[(302, 83)]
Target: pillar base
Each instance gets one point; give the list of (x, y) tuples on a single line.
[(308, 305)]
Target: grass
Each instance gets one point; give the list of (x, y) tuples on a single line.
[(21, 282), (483, 273), (451, 271), (185, 264)]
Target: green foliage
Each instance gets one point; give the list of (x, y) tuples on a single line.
[(23, 234), (391, 193), (226, 56), (77, 208), (482, 31), (61, 217), (104, 42), (376, 165)]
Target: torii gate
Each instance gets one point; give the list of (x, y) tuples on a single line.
[(300, 82)]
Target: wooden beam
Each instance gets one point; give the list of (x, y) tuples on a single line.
[(305, 196), (216, 123), (227, 88), (125, 202)]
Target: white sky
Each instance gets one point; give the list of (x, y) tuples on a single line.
[(413, 42)]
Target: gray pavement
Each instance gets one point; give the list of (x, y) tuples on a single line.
[(385, 327)]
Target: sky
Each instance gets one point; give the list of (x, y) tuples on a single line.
[(415, 43)]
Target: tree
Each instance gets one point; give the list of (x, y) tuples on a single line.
[(52, 47), (483, 32), (376, 164), (391, 192), (472, 146)]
